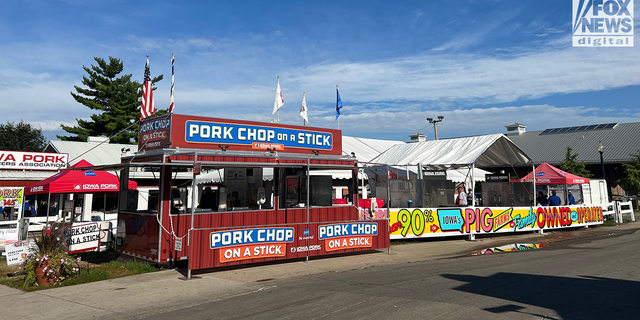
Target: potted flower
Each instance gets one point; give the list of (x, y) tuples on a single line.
[(49, 263)]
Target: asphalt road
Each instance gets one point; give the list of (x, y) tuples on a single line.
[(592, 278)]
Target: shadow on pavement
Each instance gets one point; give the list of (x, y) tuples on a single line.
[(571, 298)]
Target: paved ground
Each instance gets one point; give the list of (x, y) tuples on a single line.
[(324, 287)]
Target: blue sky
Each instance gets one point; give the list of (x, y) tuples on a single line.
[(481, 64)]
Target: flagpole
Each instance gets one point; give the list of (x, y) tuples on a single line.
[(337, 109), (172, 78), (278, 112)]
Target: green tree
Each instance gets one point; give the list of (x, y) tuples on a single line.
[(116, 100), (21, 137), (572, 165), (631, 181)]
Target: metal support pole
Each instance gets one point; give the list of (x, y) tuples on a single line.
[(435, 129), (534, 183), (49, 207), (388, 201), (308, 202), (388, 192), (473, 185), (193, 209)]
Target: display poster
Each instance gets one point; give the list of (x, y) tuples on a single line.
[(11, 202), (441, 222), (18, 251), (8, 235), (234, 174)]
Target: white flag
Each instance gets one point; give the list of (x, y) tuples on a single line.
[(303, 108), (279, 100)]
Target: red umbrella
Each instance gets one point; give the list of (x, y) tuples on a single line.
[(76, 181)]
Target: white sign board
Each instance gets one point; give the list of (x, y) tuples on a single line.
[(82, 237), (8, 235), (178, 244), (33, 160), (17, 252)]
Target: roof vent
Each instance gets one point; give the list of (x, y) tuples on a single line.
[(515, 129), (97, 139), (418, 137)]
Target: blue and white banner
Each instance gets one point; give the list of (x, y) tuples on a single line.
[(229, 238), (340, 230), (244, 134)]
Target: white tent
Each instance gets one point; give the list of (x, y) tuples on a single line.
[(459, 153), (481, 151), (366, 149)]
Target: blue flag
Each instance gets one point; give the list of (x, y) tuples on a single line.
[(338, 104)]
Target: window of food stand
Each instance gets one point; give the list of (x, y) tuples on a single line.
[(105, 202), (240, 189)]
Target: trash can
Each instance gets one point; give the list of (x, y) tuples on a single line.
[(634, 202), (409, 203)]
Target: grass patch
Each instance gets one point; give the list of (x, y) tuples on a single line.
[(92, 270)]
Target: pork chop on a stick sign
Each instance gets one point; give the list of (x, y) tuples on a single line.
[(82, 237), (223, 134)]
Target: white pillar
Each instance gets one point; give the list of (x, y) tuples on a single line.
[(86, 207)]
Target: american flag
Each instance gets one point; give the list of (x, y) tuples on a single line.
[(148, 105), (171, 105)]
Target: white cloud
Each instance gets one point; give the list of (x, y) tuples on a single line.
[(236, 79), (398, 125), (52, 125)]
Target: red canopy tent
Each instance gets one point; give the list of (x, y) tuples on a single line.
[(547, 174), (75, 181)]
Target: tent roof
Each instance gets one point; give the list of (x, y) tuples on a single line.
[(548, 174), (94, 152), (76, 181), (366, 149), (485, 151)]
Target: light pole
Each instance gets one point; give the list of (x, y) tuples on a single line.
[(601, 150), (435, 123)]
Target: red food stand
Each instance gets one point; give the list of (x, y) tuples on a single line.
[(232, 222)]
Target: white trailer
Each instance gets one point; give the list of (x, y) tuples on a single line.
[(595, 192)]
